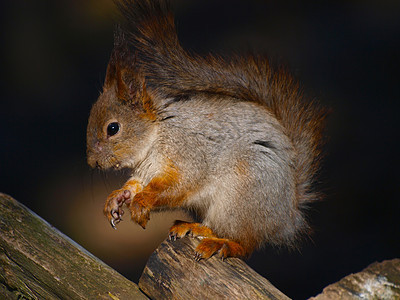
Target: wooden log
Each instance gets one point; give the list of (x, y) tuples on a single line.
[(377, 281), (39, 262), (173, 273)]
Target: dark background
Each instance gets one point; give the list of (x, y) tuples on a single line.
[(344, 53)]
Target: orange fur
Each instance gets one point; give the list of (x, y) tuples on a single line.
[(133, 185), (150, 112), (181, 229), (222, 247), (158, 193), (211, 244)]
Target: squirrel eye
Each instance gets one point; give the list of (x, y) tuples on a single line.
[(112, 128)]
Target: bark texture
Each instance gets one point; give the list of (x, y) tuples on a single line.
[(173, 273), (377, 281), (39, 262)]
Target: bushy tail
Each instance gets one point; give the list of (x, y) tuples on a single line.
[(149, 30)]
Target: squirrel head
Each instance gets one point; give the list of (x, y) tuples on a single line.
[(123, 120)]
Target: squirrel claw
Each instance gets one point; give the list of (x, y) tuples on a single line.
[(172, 237), (113, 224), (198, 256), (115, 217), (113, 206)]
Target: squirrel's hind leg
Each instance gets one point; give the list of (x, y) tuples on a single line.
[(210, 243), (181, 229), (222, 247)]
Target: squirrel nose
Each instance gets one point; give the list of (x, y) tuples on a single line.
[(98, 147), (93, 153)]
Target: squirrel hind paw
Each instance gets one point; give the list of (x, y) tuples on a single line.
[(222, 247), (210, 243), (180, 229)]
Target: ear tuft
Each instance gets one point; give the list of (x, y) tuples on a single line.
[(125, 77), (122, 73)]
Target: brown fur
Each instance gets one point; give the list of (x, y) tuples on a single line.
[(250, 78)]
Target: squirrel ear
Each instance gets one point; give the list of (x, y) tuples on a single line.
[(121, 72), (149, 109), (122, 77), (120, 61), (127, 85), (110, 74), (130, 88)]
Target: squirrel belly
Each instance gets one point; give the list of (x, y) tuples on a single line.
[(241, 168), (231, 140)]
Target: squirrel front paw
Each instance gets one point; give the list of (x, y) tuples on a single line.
[(113, 207), (139, 213)]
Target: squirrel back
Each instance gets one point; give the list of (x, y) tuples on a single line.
[(231, 139), (149, 30)]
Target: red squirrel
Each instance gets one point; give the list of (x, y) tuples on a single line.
[(231, 140)]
